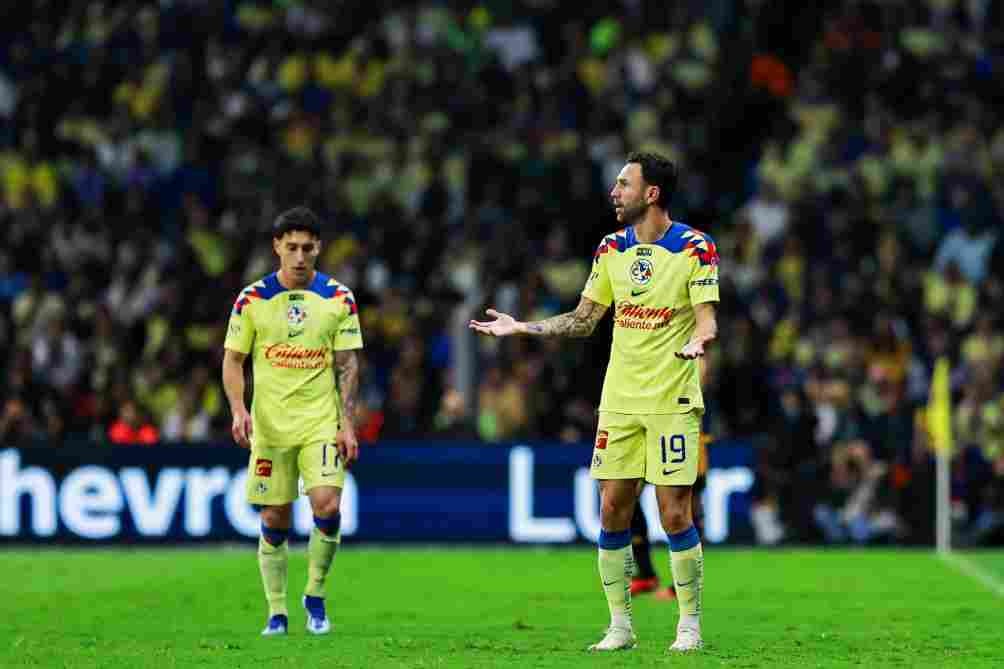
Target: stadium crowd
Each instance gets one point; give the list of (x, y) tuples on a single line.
[(846, 160)]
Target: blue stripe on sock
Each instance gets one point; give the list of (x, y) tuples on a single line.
[(329, 525), (611, 541), (274, 535), (684, 540)]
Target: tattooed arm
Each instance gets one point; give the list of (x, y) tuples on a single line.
[(347, 376), (578, 323)]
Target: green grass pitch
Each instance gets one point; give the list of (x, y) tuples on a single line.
[(493, 607)]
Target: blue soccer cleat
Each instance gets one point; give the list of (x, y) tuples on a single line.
[(317, 619), (278, 625)]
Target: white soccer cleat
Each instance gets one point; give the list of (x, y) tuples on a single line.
[(317, 619), (277, 625), (687, 639), (617, 638)]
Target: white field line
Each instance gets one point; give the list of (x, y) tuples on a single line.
[(975, 572)]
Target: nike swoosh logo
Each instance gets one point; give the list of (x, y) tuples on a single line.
[(610, 583), (667, 472), (295, 334), (636, 293), (683, 585)]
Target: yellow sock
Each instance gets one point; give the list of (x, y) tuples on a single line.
[(687, 561), (273, 560), (320, 553)]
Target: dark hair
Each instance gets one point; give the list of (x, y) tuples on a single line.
[(658, 171), (297, 218)]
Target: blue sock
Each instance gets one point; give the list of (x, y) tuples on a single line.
[(611, 541), (274, 535), (684, 540), (329, 526)]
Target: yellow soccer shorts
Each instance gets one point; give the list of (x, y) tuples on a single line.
[(274, 473), (663, 449)]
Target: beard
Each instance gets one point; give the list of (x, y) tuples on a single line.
[(633, 213)]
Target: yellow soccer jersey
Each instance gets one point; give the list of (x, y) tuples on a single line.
[(292, 336), (654, 288)]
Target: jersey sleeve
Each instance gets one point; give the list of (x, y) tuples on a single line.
[(240, 329), (598, 288), (703, 283), (349, 336)]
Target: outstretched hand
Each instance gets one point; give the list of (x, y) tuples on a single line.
[(503, 325), (691, 351)]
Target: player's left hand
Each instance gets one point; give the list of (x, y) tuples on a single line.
[(691, 351), (347, 444), (503, 325)]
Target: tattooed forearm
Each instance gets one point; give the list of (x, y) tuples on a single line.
[(578, 323), (347, 375)]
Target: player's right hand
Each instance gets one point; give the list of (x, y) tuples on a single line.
[(503, 325), (241, 428)]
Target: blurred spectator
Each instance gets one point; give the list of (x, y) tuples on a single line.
[(452, 421), (18, 426), (787, 472), (405, 415), (969, 248), (988, 481), (187, 420), (768, 214), (503, 407), (57, 357), (950, 296), (984, 347), (131, 428), (562, 273), (854, 510)]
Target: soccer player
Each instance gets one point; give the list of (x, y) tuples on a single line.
[(296, 324), (662, 277)]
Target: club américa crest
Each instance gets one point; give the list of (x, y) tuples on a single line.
[(296, 315), (641, 271)]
